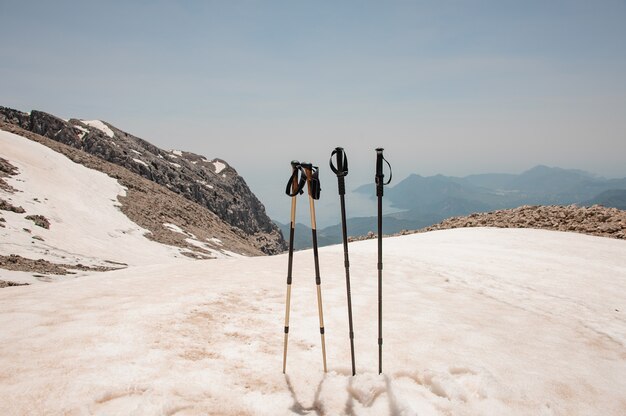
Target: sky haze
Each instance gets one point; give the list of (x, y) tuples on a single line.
[(446, 87)]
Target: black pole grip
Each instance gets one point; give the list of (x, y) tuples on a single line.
[(379, 171), (295, 185), (341, 170), (380, 176)]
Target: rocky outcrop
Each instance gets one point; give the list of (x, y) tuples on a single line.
[(213, 184), (39, 221), (8, 206), (7, 283), (22, 264), (6, 170), (595, 220)]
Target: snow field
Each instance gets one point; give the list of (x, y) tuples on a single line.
[(86, 224), (476, 322), (219, 166), (100, 126), (141, 162)]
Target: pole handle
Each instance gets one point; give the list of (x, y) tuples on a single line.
[(297, 180), (312, 175), (380, 175), (341, 169), (342, 162)]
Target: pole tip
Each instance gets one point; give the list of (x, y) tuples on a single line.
[(379, 149)]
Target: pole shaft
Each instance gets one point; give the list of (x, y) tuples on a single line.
[(347, 265), (318, 280), (380, 284), (289, 271)]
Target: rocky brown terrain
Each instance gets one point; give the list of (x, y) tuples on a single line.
[(595, 220), (22, 264), (6, 170), (6, 283), (212, 184)]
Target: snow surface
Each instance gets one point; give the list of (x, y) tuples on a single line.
[(177, 152), (174, 227), (205, 183), (176, 165), (100, 126), (141, 162), (80, 128), (218, 254), (219, 166), (215, 240), (476, 322), (86, 224)]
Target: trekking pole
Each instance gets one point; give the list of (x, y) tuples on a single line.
[(294, 188), (341, 170), (380, 183), (313, 184)]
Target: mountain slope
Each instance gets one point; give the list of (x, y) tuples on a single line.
[(211, 183), (83, 224), (476, 321), (82, 207)]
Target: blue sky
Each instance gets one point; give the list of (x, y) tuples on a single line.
[(452, 87)]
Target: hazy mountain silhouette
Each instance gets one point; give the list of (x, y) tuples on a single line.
[(427, 200), (615, 198)]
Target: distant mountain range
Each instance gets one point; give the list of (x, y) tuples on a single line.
[(615, 198), (427, 200)]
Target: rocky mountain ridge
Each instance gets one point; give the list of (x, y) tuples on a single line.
[(595, 220), (188, 229), (212, 184)]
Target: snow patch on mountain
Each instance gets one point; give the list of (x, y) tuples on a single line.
[(100, 126), (219, 166), (175, 228), (86, 224), (205, 183), (141, 162), (218, 254), (215, 240)]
